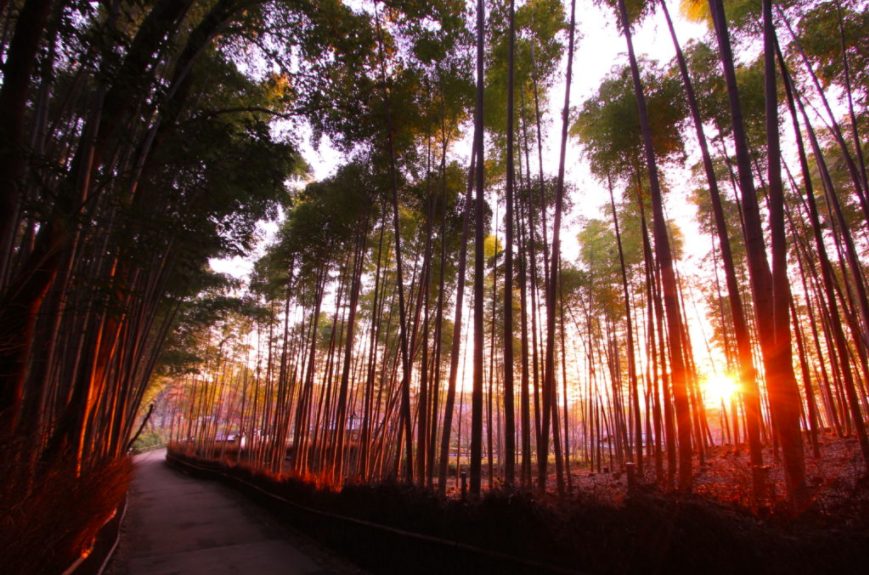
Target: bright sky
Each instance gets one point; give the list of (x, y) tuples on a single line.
[(599, 50)]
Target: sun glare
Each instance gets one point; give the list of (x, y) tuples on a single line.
[(720, 387)]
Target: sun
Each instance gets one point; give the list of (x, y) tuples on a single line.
[(720, 387)]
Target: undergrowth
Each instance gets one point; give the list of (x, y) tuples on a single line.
[(48, 516), (148, 441)]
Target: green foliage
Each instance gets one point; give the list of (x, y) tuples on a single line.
[(600, 276), (424, 51), (147, 441), (540, 25), (740, 13), (743, 16), (608, 124), (328, 49), (821, 39), (705, 69), (599, 250), (213, 304), (224, 171), (326, 217), (601, 280), (840, 176), (493, 247), (637, 10)]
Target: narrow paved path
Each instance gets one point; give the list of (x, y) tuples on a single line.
[(177, 525)]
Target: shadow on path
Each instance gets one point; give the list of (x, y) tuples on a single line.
[(177, 525)]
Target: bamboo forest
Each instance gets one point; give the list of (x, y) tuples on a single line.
[(531, 286)]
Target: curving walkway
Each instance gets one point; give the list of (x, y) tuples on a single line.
[(177, 525)]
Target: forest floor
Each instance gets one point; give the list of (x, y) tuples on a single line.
[(837, 480)]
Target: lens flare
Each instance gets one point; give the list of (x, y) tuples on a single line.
[(720, 387)]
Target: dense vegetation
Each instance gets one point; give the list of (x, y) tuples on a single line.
[(140, 139)]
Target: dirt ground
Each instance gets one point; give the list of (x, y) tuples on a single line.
[(837, 480)]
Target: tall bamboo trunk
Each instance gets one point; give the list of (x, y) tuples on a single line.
[(509, 410), (784, 394), (827, 272), (479, 236), (747, 372), (405, 417), (457, 333), (632, 366), (668, 279), (549, 388)]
